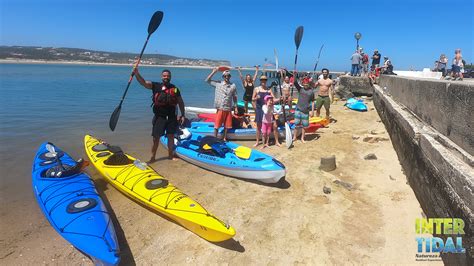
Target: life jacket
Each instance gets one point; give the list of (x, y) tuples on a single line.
[(166, 96)]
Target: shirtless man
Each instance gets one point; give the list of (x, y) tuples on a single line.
[(325, 94)]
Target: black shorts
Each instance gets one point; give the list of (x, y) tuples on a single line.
[(163, 124), (248, 97)]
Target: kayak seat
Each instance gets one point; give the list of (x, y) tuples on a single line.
[(65, 170), (213, 146), (117, 157)]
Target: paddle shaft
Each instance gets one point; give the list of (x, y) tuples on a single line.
[(317, 61), (133, 73)]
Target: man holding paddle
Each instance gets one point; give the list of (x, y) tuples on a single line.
[(165, 98)]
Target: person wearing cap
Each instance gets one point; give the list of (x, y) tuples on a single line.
[(224, 101), (355, 59), (305, 100), (258, 99), (376, 58)]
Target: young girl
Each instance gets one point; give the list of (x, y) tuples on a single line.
[(267, 120)]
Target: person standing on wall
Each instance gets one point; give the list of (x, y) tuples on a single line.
[(355, 59)]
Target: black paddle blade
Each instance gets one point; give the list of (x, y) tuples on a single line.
[(114, 117), (155, 22), (298, 36)]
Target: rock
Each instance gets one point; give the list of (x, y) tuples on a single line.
[(337, 131), (346, 185), (328, 163), (372, 108), (326, 190), (373, 139), (354, 137), (379, 121), (377, 132), (370, 156), (391, 178)]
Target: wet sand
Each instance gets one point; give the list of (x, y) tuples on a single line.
[(367, 218)]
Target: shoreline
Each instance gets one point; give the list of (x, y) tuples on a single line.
[(85, 63)]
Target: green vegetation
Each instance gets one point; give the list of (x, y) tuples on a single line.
[(90, 56)]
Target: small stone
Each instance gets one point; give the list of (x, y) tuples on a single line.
[(379, 121), (337, 131), (376, 132), (391, 178), (370, 156), (326, 190), (372, 108), (346, 185), (354, 137)]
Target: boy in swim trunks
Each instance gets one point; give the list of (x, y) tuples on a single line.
[(325, 94), (305, 98)]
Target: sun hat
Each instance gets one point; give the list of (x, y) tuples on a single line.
[(263, 77), (267, 98)]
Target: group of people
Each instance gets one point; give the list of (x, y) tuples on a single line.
[(166, 97), (263, 100), (360, 64), (457, 66)]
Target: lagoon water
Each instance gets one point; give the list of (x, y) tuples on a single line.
[(62, 103)]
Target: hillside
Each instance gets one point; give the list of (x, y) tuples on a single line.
[(91, 56)]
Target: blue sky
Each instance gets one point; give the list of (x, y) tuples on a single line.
[(413, 33)]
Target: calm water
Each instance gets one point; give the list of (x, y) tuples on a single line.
[(62, 103)]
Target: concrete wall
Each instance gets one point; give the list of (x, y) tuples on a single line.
[(439, 171), (446, 106)]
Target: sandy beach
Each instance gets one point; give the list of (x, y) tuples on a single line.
[(367, 218)]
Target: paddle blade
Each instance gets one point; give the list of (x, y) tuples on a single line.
[(223, 68), (288, 136), (114, 117), (298, 36), (155, 22), (51, 149)]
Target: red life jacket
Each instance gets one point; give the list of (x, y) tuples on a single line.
[(165, 97)]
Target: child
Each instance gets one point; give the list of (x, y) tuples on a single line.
[(267, 121)]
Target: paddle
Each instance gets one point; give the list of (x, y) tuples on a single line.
[(317, 61), (288, 133), (298, 37), (155, 22), (50, 148)]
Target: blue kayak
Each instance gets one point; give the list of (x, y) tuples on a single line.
[(207, 128), (70, 202), (228, 158), (356, 105)]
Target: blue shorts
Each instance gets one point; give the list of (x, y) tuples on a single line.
[(301, 118)]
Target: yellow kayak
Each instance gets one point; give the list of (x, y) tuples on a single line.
[(141, 183)]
